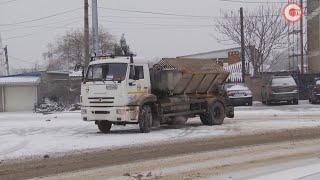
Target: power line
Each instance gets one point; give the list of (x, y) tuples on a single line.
[(19, 59), (157, 13), (31, 34), (178, 15), (6, 2), (38, 19), (41, 25), (156, 24), (153, 17), (19, 36), (254, 2)]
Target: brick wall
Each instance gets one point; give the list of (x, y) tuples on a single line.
[(233, 57)]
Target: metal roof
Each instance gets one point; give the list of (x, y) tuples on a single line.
[(20, 80)]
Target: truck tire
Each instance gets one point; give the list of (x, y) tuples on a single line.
[(215, 115), (145, 119), (104, 126)]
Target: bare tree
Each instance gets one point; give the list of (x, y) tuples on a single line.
[(265, 33), (68, 50)]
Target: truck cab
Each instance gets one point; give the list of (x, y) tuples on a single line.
[(112, 90)]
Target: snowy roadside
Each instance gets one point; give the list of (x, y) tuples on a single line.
[(28, 134)]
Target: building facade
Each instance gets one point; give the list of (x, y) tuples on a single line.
[(23, 92), (230, 59), (313, 37)]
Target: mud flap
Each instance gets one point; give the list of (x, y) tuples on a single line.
[(230, 111)]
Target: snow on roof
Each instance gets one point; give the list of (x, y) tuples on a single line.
[(20, 80), (238, 87), (75, 74)]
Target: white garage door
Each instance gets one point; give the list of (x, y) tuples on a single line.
[(20, 98)]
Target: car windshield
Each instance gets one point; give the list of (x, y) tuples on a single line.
[(107, 72), (283, 81)]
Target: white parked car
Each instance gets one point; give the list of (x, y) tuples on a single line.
[(239, 94)]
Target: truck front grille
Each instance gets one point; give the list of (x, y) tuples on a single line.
[(101, 101)]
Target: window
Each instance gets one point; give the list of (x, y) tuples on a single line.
[(283, 81), (136, 72), (139, 72)]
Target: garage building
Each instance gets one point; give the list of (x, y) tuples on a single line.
[(18, 93)]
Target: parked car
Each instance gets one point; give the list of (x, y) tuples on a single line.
[(239, 94), (280, 89), (314, 96)]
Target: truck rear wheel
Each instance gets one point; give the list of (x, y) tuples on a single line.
[(145, 119), (104, 126), (215, 114)]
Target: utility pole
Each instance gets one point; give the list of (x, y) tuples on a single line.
[(7, 59), (86, 35), (301, 39), (95, 27), (242, 46)]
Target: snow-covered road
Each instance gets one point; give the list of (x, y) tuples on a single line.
[(28, 134)]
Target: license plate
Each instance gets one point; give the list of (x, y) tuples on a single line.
[(238, 95)]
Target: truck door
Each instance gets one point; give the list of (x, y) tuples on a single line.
[(139, 80)]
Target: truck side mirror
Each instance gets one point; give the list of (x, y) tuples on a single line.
[(133, 74)]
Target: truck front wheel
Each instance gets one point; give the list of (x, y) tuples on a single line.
[(145, 119), (215, 115), (104, 126)]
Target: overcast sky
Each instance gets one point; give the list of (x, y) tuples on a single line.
[(148, 35)]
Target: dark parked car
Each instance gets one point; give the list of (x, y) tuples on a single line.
[(239, 94), (280, 89), (315, 92)]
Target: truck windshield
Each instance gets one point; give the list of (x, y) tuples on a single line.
[(107, 72)]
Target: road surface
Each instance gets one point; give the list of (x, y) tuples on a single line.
[(258, 137), (286, 160)]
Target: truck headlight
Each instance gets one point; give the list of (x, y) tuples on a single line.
[(121, 111), (83, 111)]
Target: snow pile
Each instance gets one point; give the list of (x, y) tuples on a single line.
[(49, 106)]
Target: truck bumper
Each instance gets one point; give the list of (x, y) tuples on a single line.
[(127, 114)]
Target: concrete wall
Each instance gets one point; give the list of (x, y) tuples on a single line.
[(313, 37), (1, 99)]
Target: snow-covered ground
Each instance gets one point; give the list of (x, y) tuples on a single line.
[(28, 134)]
